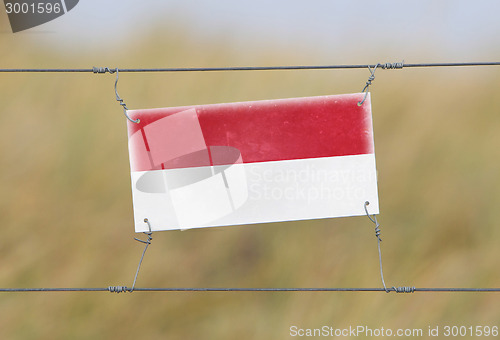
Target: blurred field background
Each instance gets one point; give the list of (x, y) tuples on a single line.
[(66, 208)]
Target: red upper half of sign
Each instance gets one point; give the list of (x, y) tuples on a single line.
[(262, 131)]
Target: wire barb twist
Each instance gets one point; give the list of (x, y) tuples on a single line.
[(392, 66), (404, 289), (118, 289), (385, 66), (102, 70)]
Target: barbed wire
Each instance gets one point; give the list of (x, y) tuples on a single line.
[(120, 289), (398, 65)]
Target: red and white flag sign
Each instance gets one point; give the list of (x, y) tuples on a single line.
[(252, 162)]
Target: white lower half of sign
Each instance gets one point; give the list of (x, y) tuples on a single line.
[(255, 192)]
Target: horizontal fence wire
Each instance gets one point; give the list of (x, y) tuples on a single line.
[(248, 68), (125, 289)]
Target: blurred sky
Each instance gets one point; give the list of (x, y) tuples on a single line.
[(418, 30)]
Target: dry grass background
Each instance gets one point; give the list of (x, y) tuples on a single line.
[(66, 210)]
